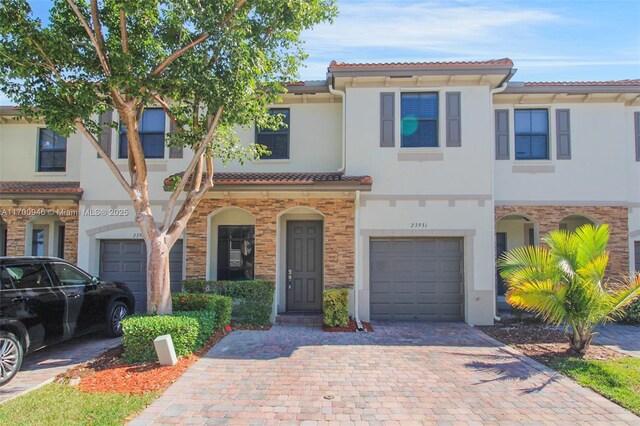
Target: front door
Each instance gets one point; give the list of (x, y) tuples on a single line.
[(304, 266)]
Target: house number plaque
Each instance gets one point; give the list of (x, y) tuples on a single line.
[(418, 225)]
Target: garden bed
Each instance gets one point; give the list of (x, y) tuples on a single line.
[(352, 328), (109, 373), (612, 374)]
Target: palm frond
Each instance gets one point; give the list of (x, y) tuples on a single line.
[(528, 263), (591, 241), (594, 269), (544, 298), (623, 296), (563, 248)]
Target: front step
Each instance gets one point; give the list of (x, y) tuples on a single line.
[(295, 318)]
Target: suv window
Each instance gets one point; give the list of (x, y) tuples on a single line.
[(68, 275), (5, 279), (27, 276)]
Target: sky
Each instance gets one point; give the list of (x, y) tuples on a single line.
[(566, 40)]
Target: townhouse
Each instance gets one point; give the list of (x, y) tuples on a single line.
[(402, 182)]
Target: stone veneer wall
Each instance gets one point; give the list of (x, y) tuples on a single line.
[(17, 218), (338, 235), (549, 218)]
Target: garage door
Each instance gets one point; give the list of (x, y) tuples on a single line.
[(126, 261), (417, 279)]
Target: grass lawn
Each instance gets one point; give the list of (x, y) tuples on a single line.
[(61, 404), (617, 379)]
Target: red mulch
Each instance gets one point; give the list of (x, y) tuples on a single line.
[(543, 343), (352, 328), (109, 373)]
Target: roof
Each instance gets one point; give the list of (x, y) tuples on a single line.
[(578, 87), (500, 67), (504, 62), (237, 180), (310, 86), (40, 189)]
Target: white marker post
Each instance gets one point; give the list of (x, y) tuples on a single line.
[(165, 350)]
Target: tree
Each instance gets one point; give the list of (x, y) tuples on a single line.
[(565, 282), (211, 65)]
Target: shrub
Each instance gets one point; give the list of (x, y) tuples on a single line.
[(220, 305), (208, 323), (140, 332), (255, 297), (335, 307), (633, 313)]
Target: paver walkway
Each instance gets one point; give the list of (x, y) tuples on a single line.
[(400, 374), (621, 337), (41, 367)]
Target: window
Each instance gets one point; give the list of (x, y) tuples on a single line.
[(276, 141), (532, 134), (61, 230), (235, 252), (68, 275), (419, 114), (52, 152), (151, 131), (37, 242), (26, 276)]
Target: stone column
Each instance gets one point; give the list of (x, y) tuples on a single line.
[(16, 235)]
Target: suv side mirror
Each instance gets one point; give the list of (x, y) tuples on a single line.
[(95, 280)]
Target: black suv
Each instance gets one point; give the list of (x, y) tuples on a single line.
[(44, 300)]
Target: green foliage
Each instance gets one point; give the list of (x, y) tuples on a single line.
[(255, 297), (208, 323), (220, 305), (335, 307), (565, 282), (224, 53), (632, 313), (618, 379), (140, 332), (58, 404)]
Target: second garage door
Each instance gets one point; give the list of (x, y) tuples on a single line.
[(126, 261), (416, 279)]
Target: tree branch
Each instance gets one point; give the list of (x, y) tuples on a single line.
[(167, 110), (123, 32), (96, 24), (189, 171), (92, 139), (175, 55), (92, 37)]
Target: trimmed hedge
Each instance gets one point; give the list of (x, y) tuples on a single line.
[(335, 307), (220, 305), (141, 331), (255, 297), (632, 314)]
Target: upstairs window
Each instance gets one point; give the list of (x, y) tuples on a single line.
[(151, 132), (532, 134), (276, 141), (52, 152), (419, 114)]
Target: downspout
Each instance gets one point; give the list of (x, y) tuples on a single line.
[(503, 85), (342, 94), (356, 272)]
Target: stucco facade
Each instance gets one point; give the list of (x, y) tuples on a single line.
[(348, 168)]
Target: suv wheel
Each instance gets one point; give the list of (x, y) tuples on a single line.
[(11, 354), (117, 312)]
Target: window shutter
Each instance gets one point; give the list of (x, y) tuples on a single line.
[(454, 122), (563, 134), (502, 134), (104, 138), (637, 134), (174, 151), (387, 118)]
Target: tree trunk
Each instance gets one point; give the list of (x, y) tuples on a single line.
[(158, 277), (580, 341)]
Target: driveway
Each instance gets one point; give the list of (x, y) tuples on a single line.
[(621, 337), (41, 367), (400, 374)]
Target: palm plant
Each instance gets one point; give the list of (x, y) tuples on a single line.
[(564, 282)]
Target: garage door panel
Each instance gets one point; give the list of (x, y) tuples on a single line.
[(125, 261), (416, 279)]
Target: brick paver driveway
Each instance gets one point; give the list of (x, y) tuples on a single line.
[(621, 337), (400, 374)]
